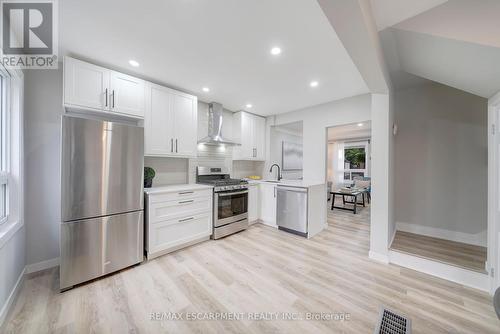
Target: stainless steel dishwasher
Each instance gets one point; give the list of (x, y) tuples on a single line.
[(292, 210)]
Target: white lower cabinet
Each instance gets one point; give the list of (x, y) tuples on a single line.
[(268, 203), (176, 217), (253, 203)]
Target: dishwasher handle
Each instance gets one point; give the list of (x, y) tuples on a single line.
[(292, 189)]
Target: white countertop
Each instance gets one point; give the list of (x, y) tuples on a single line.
[(288, 183), (176, 188)]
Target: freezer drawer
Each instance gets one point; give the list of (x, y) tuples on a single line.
[(94, 247), (292, 209)]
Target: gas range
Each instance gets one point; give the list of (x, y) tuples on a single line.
[(230, 200), (225, 185), (219, 178)]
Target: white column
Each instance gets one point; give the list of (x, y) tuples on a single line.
[(382, 225)]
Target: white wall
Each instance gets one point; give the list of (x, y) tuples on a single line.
[(316, 120), (278, 136), (441, 162), (42, 128)]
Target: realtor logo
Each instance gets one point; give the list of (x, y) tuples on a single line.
[(29, 34)]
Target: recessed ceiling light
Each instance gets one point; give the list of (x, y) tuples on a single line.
[(275, 51), (133, 63), (249, 106), (205, 89), (314, 84), (360, 124)]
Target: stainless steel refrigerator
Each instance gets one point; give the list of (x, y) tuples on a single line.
[(102, 198)]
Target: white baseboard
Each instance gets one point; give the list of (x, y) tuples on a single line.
[(378, 257), (478, 239), (34, 267), (448, 272), (393, 236), (12, 297), (268, 224)]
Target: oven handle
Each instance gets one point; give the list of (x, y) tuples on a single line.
[(233, 193)]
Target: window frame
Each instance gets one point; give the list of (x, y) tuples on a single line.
[(5, 143), (358, 144)]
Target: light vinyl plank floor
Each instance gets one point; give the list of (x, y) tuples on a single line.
[(258, 270), (455, 253)]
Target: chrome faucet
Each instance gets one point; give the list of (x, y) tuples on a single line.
[(279, 171)]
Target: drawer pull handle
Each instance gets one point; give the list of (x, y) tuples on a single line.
[(186, 192), (184, 202), (186, 219)]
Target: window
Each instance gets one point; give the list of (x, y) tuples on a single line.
[(4, 147), (355, 160)]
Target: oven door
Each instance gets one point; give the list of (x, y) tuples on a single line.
[(230, 206)]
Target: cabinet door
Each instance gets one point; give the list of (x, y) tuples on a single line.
[(158, 122), (185, 111), (268, 204), (85, 85), (260, 138), (127, 94), (247, 136), (166, 235), (253, 203)]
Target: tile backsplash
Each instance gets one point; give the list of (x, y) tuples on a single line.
[(168, 170), (179, 170)]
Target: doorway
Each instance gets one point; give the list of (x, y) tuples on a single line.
[(349, 180)]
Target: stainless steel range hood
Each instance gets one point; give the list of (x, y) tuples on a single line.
[(215, 117)]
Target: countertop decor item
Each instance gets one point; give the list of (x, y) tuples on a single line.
[(149, 174)]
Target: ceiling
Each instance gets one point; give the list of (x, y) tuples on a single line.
[(220, 44), (390, 12), (350, 131), (470, 21), (456, 44)]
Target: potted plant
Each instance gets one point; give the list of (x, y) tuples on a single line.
[(149, 174)]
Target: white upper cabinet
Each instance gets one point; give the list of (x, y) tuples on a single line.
[(85, 85), (250, 132), (127, 94), (259, 130), (170, 122), (185, 112), (158, 121), (91, 87)]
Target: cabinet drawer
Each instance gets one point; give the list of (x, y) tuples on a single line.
[(183, 207), (179, 195), (175, 232)]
